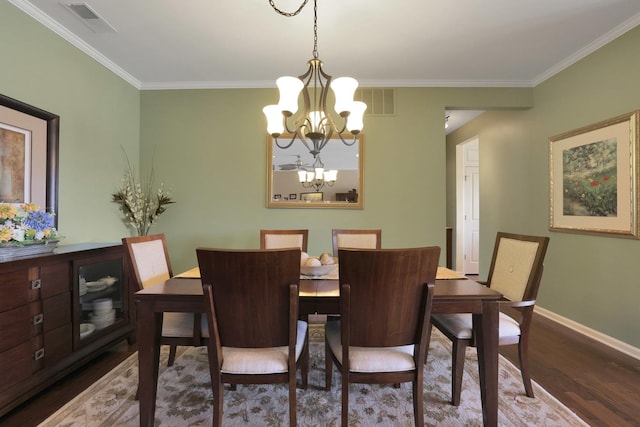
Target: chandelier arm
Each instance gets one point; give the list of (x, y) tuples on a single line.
[(347, 143), (304, 140), (288, 14), (320, 145), (284, 147)]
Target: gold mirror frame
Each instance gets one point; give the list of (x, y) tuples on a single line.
[(298, 148)]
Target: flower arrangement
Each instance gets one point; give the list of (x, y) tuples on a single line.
[(24, 224), (138, 202)]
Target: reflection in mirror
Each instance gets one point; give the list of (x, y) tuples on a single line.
[(294, 179)]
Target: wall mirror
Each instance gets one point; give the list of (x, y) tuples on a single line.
[(284, 189)]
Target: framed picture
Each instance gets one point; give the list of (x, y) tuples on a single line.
[(311, 197), (28, 155), (293, 196), (594, 178)]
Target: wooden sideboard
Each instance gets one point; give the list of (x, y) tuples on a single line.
[(44, 300)]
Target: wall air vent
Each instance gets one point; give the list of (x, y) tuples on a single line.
[(380, 101), (89, 17)]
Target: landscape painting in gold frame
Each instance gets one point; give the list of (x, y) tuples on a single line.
[(594, 178)]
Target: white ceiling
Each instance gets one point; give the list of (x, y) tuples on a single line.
[(244, 43)]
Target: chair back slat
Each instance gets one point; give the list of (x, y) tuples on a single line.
[(251, 293), (281, 239), (516, 265), (356, 239), (148, 257), (386, 292)]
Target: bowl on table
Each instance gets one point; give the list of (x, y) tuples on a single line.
[(320, 270)]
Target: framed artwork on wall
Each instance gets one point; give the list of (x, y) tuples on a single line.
[(594, 178), (28, 155)]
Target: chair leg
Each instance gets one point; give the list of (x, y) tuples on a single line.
[(459, 348), (418, 404), (523, 355), (218, 392), (328, 367), (172, 355), (292, 399), (345, 399), (218, 395), (305, 362)]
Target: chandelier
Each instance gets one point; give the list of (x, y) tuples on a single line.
[(314, 126), (319, 178)]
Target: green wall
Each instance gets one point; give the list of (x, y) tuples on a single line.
[(589, 279), (210, 147), (99, 114)]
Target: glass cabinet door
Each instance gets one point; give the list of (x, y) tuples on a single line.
[(102, 297)]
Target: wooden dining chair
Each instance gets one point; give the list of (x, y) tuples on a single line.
[(384, 330), (148, 260), (252, 308), (358, 239), (515, 271), (279, 239)]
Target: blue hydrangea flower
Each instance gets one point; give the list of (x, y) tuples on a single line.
[(39, 220)]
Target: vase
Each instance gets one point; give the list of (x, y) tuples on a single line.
[(11, 252)]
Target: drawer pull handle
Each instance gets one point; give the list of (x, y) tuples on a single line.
[(39, 354), (36, 284), (38, 318)]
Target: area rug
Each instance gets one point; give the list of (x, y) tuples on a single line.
[(185, 396)]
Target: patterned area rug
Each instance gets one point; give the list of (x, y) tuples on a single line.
[(184, 397)]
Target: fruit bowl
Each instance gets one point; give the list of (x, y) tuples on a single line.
[(320, 270)]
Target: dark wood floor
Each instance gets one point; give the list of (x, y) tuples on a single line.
[(600, 385)]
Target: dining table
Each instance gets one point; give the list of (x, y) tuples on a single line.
[(453, 293)]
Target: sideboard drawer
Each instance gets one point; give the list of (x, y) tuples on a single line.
[(20, 362), (56, 279), (19, 287), (20, 325)]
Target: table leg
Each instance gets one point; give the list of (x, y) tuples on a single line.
[(485, 327), (149, 328)]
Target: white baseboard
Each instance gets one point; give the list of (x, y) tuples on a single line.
[(591, 333)]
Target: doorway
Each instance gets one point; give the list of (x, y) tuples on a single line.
[(468, 207)]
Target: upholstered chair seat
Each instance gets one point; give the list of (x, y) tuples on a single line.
[(177, 325), (461, 325), (268, 360), (371, 359)]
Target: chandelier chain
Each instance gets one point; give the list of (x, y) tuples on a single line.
[(315, 29), (288, 14), (315, 20)]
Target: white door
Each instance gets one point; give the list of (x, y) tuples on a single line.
[(471, 220), (468, 207)]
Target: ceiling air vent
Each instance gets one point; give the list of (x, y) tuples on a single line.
[(89, 17), (380, 101)]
